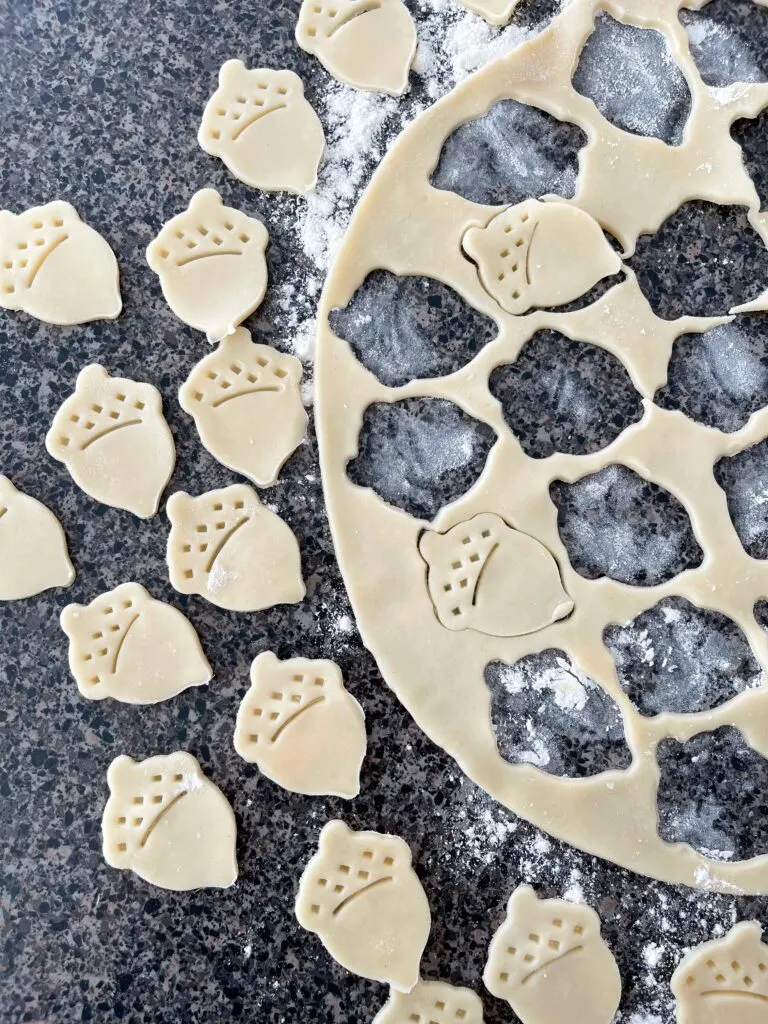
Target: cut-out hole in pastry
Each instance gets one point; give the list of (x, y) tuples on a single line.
[(168, 823), (631, 77), (483, 574), (744, 478), (408, 328), (361, 896), (368, 44), (728, 41), (302, 728), (615, 523), (511, 153), (259, 123), (432, 1002), (211, 265), (247, 407), (33, 548), (540, 255), (229, 548), (566, 396), (547, 713), (127, 645), (549, 961), (680, 658), (750, 134), (420, 454), (713, 795), (112, 437), (57, 268)]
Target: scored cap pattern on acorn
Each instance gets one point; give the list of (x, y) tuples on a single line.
[(432, 1002), (727, 978)]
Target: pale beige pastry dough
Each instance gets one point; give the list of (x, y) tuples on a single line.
[(112, 437), (247, 406), (495, 12), (127, 645), (302, 728), (229, 548), (259, 123), (57, 268), (211, 265), (368, 44), (432, 1002), (550, 963), (33, 548), (169, 824), (360, 894)]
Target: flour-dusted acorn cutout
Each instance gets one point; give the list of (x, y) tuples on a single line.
[(210, 260), (361, 896), (368, 44), (259, 123), (485, 575), (247, 407), (302, 728), (229, 548), (169, 824), (724, 981), (127, 645), (57, 268), (33, 548), (495, 12), (112, 437), (540, 255), (548, 960), (432, 1002)]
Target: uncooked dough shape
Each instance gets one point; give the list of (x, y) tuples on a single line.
[(495, 12), (112, 437), (229, 548), (259, 123), (432, 1002), (169, 824), (368, 44), (33, 548), (302, 728), (127, 645), (724, 981), (540, 254), (361, 896), (485, 575), (57, 268), (550, 963), (211, 265), (247, 407)]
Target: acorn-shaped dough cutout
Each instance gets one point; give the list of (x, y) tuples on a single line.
[(127, 645), (550, 963), (495, 12), (247, 406), (485, 575), (724, 981), (361, 896), (302, 728), (229, 548), (540, 255), (432, 1002), (33, 548), (169, 824), (57, 268), (259, 123), (210, 260), (368, 44), (112, 437)]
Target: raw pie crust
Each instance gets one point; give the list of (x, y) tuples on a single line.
[(33, 548)]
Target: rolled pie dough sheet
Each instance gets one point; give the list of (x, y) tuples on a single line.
[(434, 1002), (406, 226), (33, 548), (495, 12)]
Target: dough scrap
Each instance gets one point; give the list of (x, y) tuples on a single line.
[(127, 645), (495, 12), (229, 548), (33, 548), (361, 896), (319, 753), (368, 44), (112, 437), (259, 123), (168, 823), (247, 407), (211, 265), (550, 963), (57, 268), (724, 981), (434, 1002)]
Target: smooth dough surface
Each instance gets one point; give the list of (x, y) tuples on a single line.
[(432, 1001), (495, 12), (33, 548)]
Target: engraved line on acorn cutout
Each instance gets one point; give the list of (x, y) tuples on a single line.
[(294, 715), (37, 264), (224, 540), (350, 16), (121, 641), (549, 963), (359, 892), (153, 823), (256, 116), (108, 430)]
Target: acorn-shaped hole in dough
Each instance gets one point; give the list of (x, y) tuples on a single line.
[(33, 548)]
